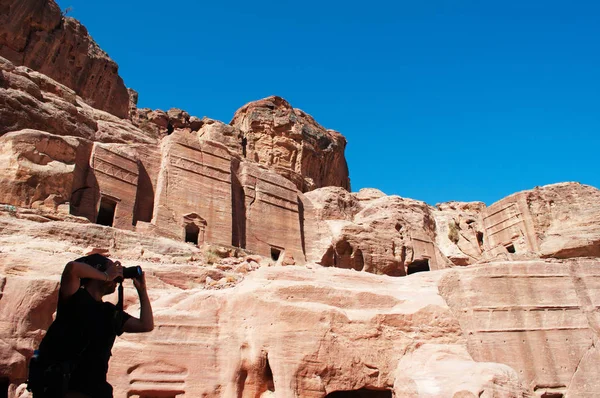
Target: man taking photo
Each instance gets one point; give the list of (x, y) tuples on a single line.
[(73, 356)]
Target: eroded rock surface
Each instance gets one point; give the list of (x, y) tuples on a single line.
[(539, 317), (554, 221), (34, 33), (223, 216), (380, 234), (291, 142), (283, 331)]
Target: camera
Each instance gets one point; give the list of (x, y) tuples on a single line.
[(132, 272)]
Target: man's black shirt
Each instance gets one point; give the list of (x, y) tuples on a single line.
[(84, 332)]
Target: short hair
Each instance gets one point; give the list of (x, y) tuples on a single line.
[(95, 260)]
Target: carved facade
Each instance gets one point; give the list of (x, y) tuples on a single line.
[(509, 227), (192, 190)]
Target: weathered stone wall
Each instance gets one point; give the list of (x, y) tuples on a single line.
[(116, 175), (374, 233), (194, 188), (508, 226), (540, 318), (37, 167), (272, 216)]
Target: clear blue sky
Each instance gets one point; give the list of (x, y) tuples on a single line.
[(439, 100)]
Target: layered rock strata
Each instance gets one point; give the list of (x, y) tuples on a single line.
[(384, 235), (292, 143), (282, 331), (205, 207), (35, 34)]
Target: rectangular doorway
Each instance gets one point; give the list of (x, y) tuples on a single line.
[(106, 211)]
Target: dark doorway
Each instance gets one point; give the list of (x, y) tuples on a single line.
[(480, 239), (362, 393), (244, 145), (191, 233), (275, 253), (510, 248), (106, 212), (268, 376), (4, 385), (418, 266)]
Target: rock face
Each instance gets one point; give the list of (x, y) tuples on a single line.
[(39, 168), (460, 232), (540, 318), (293, 143), (31, 100), (260, 262), (283, 331), (35, 34), (384, 235), (554, 221), (194, 189)]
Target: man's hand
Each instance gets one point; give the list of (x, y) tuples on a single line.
[(139, 282), (114, 270)]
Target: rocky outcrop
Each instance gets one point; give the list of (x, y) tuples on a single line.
[(558, 220), (292, 143), (34, 33), (566, 218), (32, 100), (223, 217), (39, 168), (459, 231), (554, 221), (284, 331), (365, 232), (538, 317)]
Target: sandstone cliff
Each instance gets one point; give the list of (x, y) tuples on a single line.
[(293, 143), (34, 33), (267, 276)]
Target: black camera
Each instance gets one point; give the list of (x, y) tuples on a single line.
[(132, 272)]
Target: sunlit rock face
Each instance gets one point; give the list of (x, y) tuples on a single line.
[(539, 317), (267, 276), (383, 235), (34, 33), (554, 221), (291, 142)]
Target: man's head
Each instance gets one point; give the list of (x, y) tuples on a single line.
[(101, 263)]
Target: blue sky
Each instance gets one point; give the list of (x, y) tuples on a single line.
[(439, 100)]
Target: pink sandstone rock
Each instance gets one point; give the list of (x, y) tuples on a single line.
[(235, 317), (538, 317), (558, 220), (31, 100), (194, 190), (459, 231), (292, 143), (388, 235), (37, 165), (272, 225), (35, 34), (289, 331)]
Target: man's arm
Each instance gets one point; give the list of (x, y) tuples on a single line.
[(74, 272), (145, 323)]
